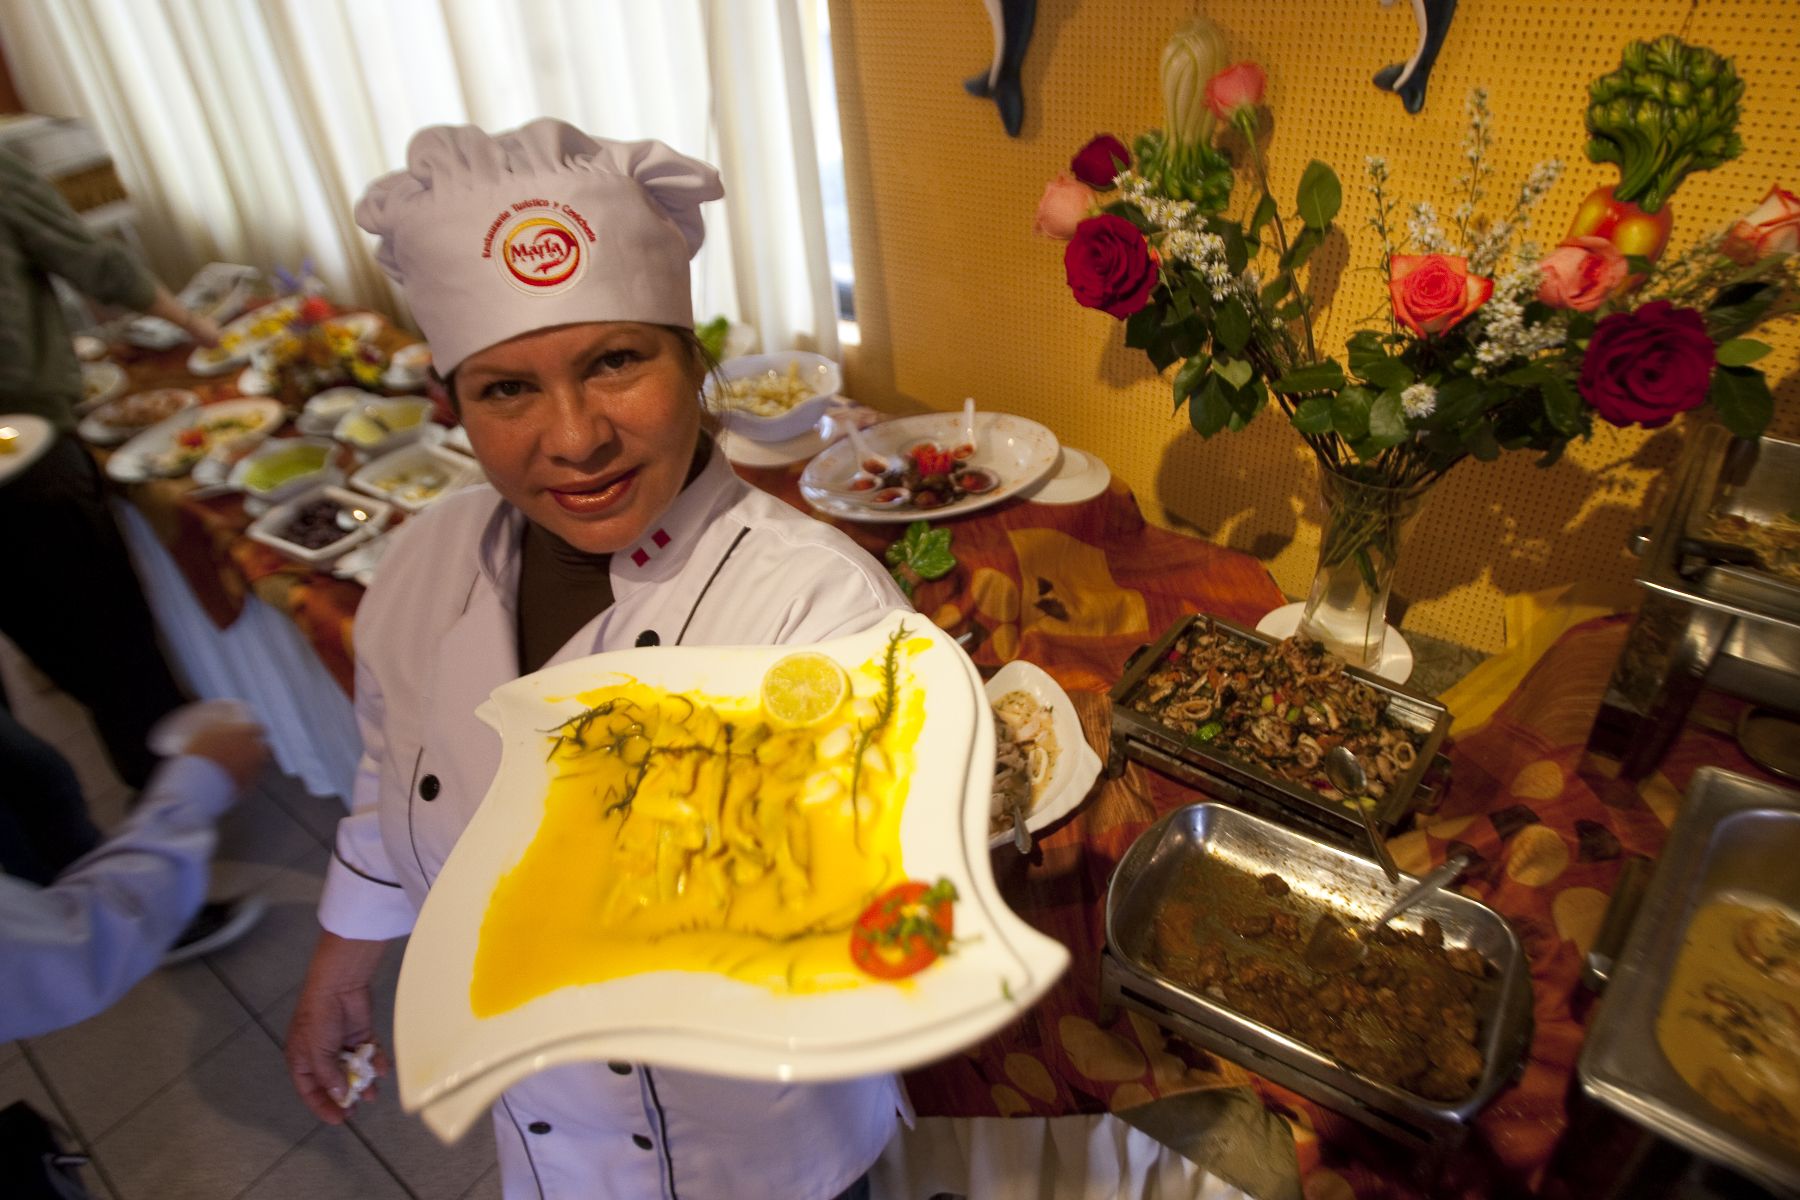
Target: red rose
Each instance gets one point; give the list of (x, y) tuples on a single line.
[(1645, 366), (1109, 265), (1237, 86), (1099, 162), (1432, 293)]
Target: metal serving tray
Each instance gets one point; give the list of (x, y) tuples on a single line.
[(1736, 838), (1140, 736), (1321, 878)]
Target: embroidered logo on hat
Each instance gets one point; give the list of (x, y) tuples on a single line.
[(542, 252)]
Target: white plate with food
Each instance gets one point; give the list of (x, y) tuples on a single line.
[(221, 432), (738, 937), (928, 468), (317, 526), (772, 397), (122, 419), (409, 367), (412, 477), (284, 467), (379, 425), (1041, 756), (243, 337), (24, 437), (100, 382)]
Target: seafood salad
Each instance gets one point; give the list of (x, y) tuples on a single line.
[(1024, 757), (1279, 707), (926, 476)]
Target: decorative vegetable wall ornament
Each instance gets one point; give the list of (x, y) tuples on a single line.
[(1407, 80), (1012, 20)]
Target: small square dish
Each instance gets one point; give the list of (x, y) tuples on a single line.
[(303, 528), (412, 477), (378, 426), (285, 467)]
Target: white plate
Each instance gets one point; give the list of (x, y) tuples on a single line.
[(1077, 766), (132, 462), (816, 372), (268, 528), (389, 410), (1395, 664), (326, 473), (31, 436), (458, 472), (94, 429), (1079, 476), (322, 413), (748, 453), (453, 1064), (100, 383), (1019, 451), (203, 362)]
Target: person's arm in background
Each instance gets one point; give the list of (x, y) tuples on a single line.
[(59, 242), (69, 950)]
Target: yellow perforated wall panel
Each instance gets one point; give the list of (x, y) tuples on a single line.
[(956, 296)]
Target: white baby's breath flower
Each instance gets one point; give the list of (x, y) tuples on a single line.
[(1423, 228), (1419, 400)]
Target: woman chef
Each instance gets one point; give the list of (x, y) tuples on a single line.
[(549, 272)]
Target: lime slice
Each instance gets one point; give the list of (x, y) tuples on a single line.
[(804, 689)]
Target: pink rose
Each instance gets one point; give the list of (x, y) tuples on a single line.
[(1066, 203), (1581, 274), (1773, 227), (1237, 86), (1099, 162)]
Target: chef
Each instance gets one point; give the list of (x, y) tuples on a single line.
[(549, 272)]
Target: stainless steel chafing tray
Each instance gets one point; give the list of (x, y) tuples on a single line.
[(1736, 838), (1246, 785), (1321, 878)]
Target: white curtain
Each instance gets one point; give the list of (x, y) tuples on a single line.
[(246, 129)]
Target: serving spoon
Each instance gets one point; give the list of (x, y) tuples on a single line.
[(1346, 773), (1336, 946)]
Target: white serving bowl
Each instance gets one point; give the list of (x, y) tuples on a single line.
[(817, 371), (408, 416), (326, 472)]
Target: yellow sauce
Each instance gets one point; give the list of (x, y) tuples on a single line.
[(687, 833), (1730, 1020)]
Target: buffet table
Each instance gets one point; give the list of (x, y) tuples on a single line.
[(1075, 588)]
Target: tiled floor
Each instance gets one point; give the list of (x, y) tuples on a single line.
[(179, 1090)]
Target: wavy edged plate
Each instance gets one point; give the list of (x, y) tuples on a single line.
[(1018, 450), (452, 1064), (1077, 766)]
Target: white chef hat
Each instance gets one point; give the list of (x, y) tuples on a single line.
[(493, 236)]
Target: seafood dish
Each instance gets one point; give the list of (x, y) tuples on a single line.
[(1280, 708), (756, 837), (926, 476), (1024, 757), (128, 414), (207, 436), (1407, 1015), (768, 394), (1729, 1023), (1776, 542)]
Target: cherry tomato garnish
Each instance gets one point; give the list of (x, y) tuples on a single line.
[(904, 930)]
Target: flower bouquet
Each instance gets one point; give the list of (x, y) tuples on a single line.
[(1489, 343), (318, 351)]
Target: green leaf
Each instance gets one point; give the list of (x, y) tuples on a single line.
[(1237, 253), (1161, 350), (1181, 307), (1141, 326), (1741, 395), (1234, 371), (1365, 342), (1275, 289), (1388, 374), (1562, 406), (1478, 439), (1189, 377), (1365, 567), (1313, 415), (1740, 308), (921, 551), (1741, 352), (1387, 419), (1209, 409), (1231, 326), (1350, 413), (1265, 212), (1320, 195), (1305, 242), (1325, 376)]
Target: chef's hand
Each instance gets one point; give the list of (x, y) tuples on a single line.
[(334, 1014)]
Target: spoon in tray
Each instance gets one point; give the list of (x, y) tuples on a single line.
[(968, 432), (865, 454), (1335, 947), (1346, 773)]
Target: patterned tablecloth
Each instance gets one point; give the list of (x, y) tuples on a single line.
[(1075, 589)]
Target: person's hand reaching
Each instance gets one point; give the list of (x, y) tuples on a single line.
[(237, 748)]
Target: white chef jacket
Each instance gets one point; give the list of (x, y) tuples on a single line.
[(69, 950), (725, 565)]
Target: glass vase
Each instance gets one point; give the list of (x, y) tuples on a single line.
[(1365, 522)]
